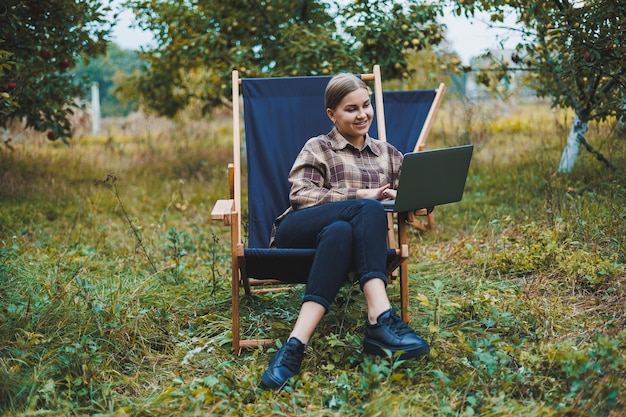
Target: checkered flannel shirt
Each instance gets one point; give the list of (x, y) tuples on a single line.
[(330, 169)]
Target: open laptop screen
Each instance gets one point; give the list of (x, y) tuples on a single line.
[(431, 178)]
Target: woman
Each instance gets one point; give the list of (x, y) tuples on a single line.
[(337, 182)]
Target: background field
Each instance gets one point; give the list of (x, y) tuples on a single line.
[(114, 282)]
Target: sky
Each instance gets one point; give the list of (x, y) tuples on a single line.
[(467, 37)]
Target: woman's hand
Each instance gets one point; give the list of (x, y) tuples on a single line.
[(376, 193), (389, 193)]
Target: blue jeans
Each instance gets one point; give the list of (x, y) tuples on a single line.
[(349, 235)]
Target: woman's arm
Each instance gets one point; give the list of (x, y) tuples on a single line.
[(376, 193), (323, 174), (310, 183)]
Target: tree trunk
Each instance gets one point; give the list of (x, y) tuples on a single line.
[(568, 158), (621, 126), (95, 108)]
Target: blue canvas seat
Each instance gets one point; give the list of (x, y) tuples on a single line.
[(408, 117), (280, 115)]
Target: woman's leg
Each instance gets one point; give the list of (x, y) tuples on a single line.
[(328, 229), (376, 298), (330, 268), (369, 240), (347, 234), (385, 331), (332, 238), (310, 315), (368, 221)]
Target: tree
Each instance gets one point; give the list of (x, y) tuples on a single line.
[(107, 70), (199, 43), (576, 52), (429, 68), (40, 41)]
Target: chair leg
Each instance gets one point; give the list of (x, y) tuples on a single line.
[(235, 310), (244, 281), (430, 220), (404, 291), (235, 283), (404, 269)]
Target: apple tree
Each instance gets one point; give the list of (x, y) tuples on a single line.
[(40, 42), (198, 43), (576, 53)]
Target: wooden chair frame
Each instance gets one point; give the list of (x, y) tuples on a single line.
[(229, 211), (413, 220)]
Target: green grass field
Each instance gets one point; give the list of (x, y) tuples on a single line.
[(115, 284)]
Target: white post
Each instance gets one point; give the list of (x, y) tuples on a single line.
[(95, 108)]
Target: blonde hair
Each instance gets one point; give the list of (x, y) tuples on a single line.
[(340, 86)]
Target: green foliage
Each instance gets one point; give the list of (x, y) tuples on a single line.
[(428, 68), (107, 71), (39, 42), (199, 43), (531, 251), (176, 251), (574, 51), (584, 375)]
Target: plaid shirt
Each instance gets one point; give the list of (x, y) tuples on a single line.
[(330, 169)]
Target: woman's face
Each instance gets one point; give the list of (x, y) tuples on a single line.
[(353, 115)]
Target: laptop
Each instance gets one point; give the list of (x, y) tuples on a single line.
[(431, 178)]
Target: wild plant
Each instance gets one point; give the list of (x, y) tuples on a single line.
[(111, 181), (176, 250)]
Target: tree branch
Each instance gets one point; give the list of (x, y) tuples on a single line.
[(561, 5), (598, 155)]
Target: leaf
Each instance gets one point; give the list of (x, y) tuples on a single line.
[(423, 300)]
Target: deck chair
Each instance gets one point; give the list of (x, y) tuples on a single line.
[(409, 116), (280, 115)]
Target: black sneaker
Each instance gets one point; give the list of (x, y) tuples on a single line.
[(392, 334), (284, 364)]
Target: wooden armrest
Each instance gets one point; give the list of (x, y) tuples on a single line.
[(404, 251), (222, 210)]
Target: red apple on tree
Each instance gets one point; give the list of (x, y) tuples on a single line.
[(52, 135), (65, 64), (35, 37)]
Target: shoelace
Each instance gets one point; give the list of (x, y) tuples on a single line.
[(291, 358), (396, 324)]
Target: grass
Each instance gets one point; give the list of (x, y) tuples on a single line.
[(114, 283)]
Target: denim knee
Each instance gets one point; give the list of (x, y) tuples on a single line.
[(374, 212), (336, 233), (331, 265), (370, 227)]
